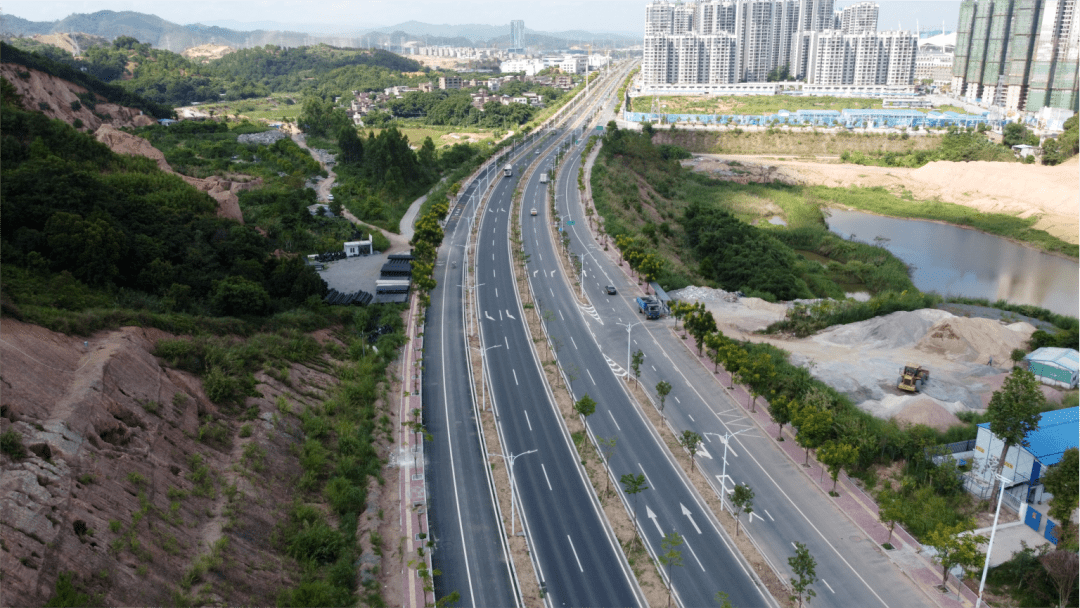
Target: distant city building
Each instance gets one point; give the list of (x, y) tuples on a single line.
[(529, 66), (935, 59), (1018, 54), (705, 43), (573, 64), (858, 18), (447, 83), (517, 36)]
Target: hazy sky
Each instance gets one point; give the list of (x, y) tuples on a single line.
[(343, 16)]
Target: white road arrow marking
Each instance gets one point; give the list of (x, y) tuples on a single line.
[(534, 273), (652, 516), (510, 315), (702, 451), (489, 317), (553, 272), (689, 516)]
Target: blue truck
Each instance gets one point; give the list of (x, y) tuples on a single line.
[(649, 307)]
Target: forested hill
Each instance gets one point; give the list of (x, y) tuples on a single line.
[(87, 228), (110, 92), (165, 78), (152, 29)]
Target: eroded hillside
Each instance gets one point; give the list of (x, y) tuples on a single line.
[(134, 481), (66, 101)]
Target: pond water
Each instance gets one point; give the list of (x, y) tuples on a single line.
[(950, 260)]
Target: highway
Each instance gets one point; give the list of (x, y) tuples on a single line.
[(470, 546), (788, 508), (710, 562)]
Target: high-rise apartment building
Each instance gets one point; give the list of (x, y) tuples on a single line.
[(517, 35), (870, 58), (725, 41), (858, 18), (1019, 54)]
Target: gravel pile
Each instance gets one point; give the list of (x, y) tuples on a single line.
[(265, 138), (693, 293), (896, 330)]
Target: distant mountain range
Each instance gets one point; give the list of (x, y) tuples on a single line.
[(163, 34)]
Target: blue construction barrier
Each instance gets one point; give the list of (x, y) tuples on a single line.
[(850, 118)]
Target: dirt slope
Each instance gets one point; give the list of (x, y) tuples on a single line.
[(222, 190), (205, 53), (114, 448), (57, 95)]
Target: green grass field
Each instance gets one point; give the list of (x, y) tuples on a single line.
[(441, 136), (273, 108)]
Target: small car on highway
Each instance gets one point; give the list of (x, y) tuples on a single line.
[(610, 290), (533, 212)]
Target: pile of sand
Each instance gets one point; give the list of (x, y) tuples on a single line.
[(896, 330), (976, 340), (926, 411)]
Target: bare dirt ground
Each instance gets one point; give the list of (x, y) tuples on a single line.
[(863, 360), (438, 63), (1052, 193), (207, 52)]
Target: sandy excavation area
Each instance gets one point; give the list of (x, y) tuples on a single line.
[(863, 360), (1052, 193)]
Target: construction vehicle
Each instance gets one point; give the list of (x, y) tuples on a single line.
[(912, 379), (649, 307)]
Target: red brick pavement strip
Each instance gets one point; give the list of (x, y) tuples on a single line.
[(410, 462), (852, 501)]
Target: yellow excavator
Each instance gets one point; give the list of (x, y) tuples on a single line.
[(913, 379)]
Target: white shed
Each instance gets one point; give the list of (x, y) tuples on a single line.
[(355, 248)]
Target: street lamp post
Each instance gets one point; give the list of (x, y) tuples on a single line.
[(510, 465), (629, 326), (726, 438), (990, 548), (483, 378)]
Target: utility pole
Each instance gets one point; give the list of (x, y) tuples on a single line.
[(629, 326), (990, 548), (726, 438), (510, 465)]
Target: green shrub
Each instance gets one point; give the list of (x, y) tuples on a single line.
[(66, 595), (12, 445)]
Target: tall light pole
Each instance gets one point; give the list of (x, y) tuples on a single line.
[(483, 378), (726, 438), (990, 548), (510, 465), (629, 326)]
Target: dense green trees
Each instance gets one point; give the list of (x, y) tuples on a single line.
[(71, 206)]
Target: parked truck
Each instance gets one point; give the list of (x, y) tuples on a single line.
[(649, 307), (543, 178)]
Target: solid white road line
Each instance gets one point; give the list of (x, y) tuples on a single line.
[(546, 477), (590, 376), (769, 514), (527, 421), (575, 553), (500, 317), (694, 553), (828, 585), (653, 367), (515, 376), (552, 292), (561, 315), (571, 338), (613, 420), (507, 343), (496, 292), (677, 399), (690, 417), (646, 477)]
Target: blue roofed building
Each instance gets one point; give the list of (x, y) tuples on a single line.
[(1058, 431)]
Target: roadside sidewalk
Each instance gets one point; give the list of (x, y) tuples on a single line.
[(413, 519), (856, 505)]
